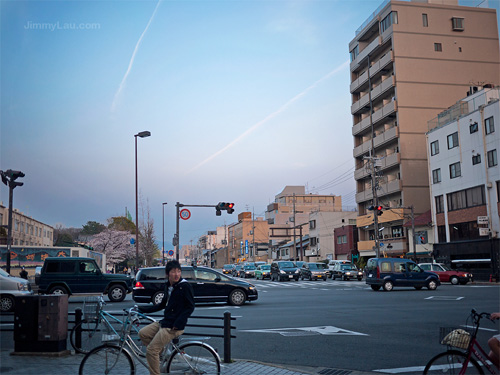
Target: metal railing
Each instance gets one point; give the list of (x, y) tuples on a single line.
[(226, 327)]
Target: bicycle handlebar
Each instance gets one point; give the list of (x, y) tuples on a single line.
[(478, 316)]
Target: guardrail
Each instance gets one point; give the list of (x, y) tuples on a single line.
[(225, 335)]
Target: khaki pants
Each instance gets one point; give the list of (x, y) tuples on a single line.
[(155, 338)]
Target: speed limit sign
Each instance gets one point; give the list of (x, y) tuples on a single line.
[(185, 214)]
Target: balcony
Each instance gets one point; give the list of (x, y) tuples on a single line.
[(365, 52), (385, 85), (364, 101), (362, 79), (385, 111), (391, 187), (385, 137), (381, 63), (364, 124), (386, 162)]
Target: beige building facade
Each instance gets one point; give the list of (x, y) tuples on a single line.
[(409, 61), (26, 231), (291, 208), (248, 239)]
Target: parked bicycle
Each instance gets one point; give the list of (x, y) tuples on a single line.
[(191, 357), (97, 323), (464, 354)]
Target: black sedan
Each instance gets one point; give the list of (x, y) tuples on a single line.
[(209, 286)]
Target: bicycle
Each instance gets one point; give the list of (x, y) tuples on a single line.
[(191, 357), (464, 352), (97, 323)]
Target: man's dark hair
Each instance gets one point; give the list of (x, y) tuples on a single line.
[(171, 264)]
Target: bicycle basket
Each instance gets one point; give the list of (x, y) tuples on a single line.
[(455, 337), (91, 308)]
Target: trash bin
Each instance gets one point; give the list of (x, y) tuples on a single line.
[(41, 323)]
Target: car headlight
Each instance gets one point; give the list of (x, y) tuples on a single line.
[(348, 273), (22, 287), (251, 287), (297, 271), (281, 271)]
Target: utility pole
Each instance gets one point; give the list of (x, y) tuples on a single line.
[(294, 243), (413, 235), (253, 235), (372, 160)]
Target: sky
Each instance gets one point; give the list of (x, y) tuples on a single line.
[(242, 98)]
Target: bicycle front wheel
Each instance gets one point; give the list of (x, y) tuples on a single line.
[(194, 358), (107, 359), (451, 363), (90, 336)]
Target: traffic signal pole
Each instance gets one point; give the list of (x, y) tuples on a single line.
[(220, 206), (8, 178)]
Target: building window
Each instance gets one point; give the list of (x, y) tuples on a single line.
[(441, 233), (466, 198), (436, 176), (439, 204), (457, 23), (476, 159), (492, 158), (397, 231), (473, 127), (453, 140), (438, 47), (455, 170), (434, 148), (354, 53), (425, 21), (312, 224), (391, 18), (489, 126)]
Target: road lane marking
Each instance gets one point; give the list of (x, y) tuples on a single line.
[(445, 298), (307, 331), (401, 370)]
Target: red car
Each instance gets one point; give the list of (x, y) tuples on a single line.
[(446, 274)]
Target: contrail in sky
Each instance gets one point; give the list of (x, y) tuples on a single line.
[(122, 84), (269, 117)]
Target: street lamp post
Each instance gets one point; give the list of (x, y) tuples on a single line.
[(143, 134), (163, 232)]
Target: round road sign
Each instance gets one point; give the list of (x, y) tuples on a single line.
[(170, 253), (185, 214)]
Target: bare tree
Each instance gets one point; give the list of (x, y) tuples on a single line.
[(147, 244)]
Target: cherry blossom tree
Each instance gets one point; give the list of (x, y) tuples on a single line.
[(115, 244)]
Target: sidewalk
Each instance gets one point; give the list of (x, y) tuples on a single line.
[(49, 363)]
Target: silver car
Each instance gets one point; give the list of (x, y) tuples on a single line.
[(10, 287)]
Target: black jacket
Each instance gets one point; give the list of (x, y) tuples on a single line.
[(179, 308)]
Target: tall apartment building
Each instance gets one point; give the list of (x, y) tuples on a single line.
[(409, 61), (463, 147)]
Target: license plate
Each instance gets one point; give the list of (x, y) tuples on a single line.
[(290, 276)]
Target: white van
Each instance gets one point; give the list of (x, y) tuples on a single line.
[(10, 287)]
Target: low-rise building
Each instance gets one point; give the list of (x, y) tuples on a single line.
[(26, 231)]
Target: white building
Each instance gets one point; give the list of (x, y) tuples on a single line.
[(463, 144)]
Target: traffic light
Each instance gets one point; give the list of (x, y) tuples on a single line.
[(378, 209), (9, 176), (224, 206)]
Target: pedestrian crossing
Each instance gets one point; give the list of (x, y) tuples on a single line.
[(266, 284)]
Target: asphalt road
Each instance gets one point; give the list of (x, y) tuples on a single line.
[(344, 324)]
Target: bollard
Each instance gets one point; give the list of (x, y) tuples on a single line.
[(78, 331), (227, 337)]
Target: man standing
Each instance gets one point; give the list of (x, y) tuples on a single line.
[(178, 302)]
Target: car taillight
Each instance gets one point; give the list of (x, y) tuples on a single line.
[(138, 285), (378, 273)]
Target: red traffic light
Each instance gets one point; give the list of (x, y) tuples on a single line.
[(379, 210)]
